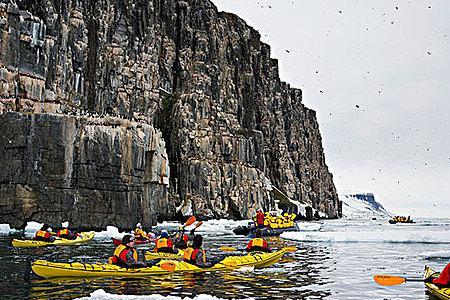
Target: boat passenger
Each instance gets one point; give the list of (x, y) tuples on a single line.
[(258, 243), (126, 256), (259, 219), (195, 254), (44, 234), (164, 243), (139, 233), (443, 280), (65, 233), (181, 239)]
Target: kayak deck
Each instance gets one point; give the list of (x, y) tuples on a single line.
[(85, 237), (155, 255), (443, 293)]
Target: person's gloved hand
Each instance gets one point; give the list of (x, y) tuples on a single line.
[(428, 280)]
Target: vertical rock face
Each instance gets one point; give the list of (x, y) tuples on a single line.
[(90, 171), (150, 71)]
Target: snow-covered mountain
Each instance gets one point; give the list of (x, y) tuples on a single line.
[(362, 206)]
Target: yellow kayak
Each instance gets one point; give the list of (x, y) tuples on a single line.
[(156, 255), (85, 237), (51, 269), (443, 293)]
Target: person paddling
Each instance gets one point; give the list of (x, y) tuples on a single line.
[(164, 243), (65, 233), (126, 256), (258, 243), (181, 239), (259, 219), (44, 234), (443, 280), (195, 254), (140, 234)]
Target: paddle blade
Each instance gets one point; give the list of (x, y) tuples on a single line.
[(389, 280), (168, 266), (190, 221), (227, 249)]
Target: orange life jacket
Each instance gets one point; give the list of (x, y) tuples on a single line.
[(190, 255), (63, 233), (120, 255), (163, 243)]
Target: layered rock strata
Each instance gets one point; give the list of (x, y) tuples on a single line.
[(196, 82)]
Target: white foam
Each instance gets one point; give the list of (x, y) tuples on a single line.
[(376, 236), (5, 229), (111, 231), (305, 226), (102, 295)]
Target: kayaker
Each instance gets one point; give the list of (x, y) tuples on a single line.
[(195, 254), (65, 233), (181, 239), (126, 256), (139, 233), (44, 234), (443, 280), (258, 243), (259, 219), (164, 243)]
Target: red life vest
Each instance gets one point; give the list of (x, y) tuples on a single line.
[(190, 255), (120, 255), (41, 234), (257, 244)]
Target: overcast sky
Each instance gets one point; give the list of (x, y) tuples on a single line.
[(377, 73)]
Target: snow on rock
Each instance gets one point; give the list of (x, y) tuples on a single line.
[(362, 206)]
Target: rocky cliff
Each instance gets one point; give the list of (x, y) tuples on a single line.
[(100, 99)]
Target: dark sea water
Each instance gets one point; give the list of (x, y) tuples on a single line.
[(336, 262)]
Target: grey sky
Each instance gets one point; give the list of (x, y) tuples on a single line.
[(377, 73)]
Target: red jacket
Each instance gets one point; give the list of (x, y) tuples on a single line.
[(444, 278), (259, 218)]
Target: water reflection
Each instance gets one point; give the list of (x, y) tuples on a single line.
[(318, 270)]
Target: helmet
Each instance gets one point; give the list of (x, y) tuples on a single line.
[(164, 234), (49, 229), (139, 225)]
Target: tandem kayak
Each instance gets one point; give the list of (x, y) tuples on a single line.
[(51, 269), (85, 237), (162, 255), (443, 293)]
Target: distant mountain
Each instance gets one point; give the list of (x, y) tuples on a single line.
[(362, 206)]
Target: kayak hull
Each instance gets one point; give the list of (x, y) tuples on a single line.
[(85, 237), (443, 293), (48, 269)]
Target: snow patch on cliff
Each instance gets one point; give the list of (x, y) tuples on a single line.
[(362, 206)]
